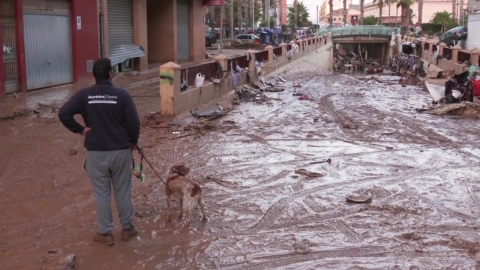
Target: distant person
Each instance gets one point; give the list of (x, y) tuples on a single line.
[(112, 129)]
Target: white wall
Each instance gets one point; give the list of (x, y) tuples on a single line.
[(473, 41), (430, 7)]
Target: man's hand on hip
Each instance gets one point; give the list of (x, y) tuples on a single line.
[(85, 131), (134, 147)]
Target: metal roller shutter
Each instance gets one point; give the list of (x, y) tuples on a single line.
[(121, 41), (48, 43), (9, 50), (183, 30), (50, 7)]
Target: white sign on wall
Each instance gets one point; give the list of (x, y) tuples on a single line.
[(79, 23)]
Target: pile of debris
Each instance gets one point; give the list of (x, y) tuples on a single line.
[(154, 119), (207, 115), (255, 91), (464, 109), (247, 46)]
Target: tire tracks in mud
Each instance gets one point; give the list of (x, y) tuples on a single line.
[(275, 210), (352, 236), (447, 211), (243, 166), (283, 260), (327, 105), (430, 136)]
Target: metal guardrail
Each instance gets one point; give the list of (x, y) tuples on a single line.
[(357, 30)]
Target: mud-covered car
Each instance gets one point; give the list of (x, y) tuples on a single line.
[(453, 35)]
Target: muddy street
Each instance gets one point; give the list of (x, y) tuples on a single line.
[(420, 170)]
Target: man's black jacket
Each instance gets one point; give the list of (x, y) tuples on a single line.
[(110, 113)]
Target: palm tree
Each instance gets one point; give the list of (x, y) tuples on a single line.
[(344, 12), (454, 9), (461, 16), (302, 15), (362, 4), (420, 11), (330, 3), (404, 6), (380, 9)]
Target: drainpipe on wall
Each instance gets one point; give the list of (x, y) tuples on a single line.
[(102, 27)]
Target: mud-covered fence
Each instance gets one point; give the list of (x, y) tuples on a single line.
[(261, 56), (289, 47), (426, 46), (463, 57), (447, 53), (277, 51), (434, 48), (209, 70), (241, 61)]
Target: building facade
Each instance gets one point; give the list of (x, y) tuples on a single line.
[(324, 11), (54, 42), (391, 14), (352, 17)]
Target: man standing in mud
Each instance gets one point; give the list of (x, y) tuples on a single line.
[(112, 129)]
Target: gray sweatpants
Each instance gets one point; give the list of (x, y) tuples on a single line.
[(106, 169)]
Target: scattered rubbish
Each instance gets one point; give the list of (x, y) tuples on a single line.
[(304, 97), (387, 132), (153, 119), (296, 85), (211, 114), (466, 109), (248, 94), (298, 94), (48, 106), (259, 98), (182, 136), (389, 147), (359, 198), (175, 132), (199, 80), (322, 161), (58, 259), (72, 151), (281, 79), (308, 173), (274, 89), (200, 126)]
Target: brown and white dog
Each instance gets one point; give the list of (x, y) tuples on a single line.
[(187, 191)]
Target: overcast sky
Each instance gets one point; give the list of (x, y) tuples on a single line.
[(312, 6)]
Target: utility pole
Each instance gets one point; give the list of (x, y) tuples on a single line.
[(295, 6), (239, 15), (317, 15), (253, 15), (221, 27), (231, 21), (267, 13)]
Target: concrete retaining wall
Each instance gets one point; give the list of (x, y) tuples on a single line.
[(320, 59), (174, 102)]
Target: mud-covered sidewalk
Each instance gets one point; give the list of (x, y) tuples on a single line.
[(421, 171)]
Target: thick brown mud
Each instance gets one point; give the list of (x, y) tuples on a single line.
[(420, 170)]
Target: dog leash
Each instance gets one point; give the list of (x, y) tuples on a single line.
[(138, 171)]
